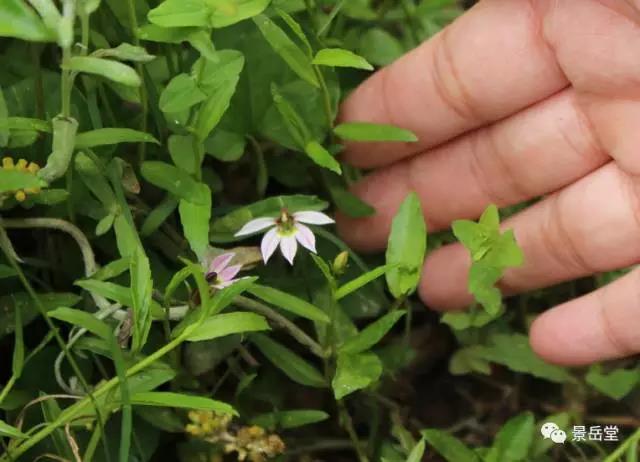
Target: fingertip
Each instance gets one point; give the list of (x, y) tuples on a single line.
[(383, 190), (567, 336), (361, 234), (444, 279)]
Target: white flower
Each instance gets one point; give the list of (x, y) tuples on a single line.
[(219, 273), (286, 231)]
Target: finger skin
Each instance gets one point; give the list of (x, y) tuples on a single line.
[(457, 81), (599, 326), (535, 152), (588, 227)]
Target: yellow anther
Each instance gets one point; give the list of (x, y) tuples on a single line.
[(33, 167), (7, 163), (22, 164), (20, 196)]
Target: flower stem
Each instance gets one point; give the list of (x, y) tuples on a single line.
[(283, 322)]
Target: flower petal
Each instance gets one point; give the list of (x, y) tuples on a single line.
[(269, 244), (229, 273), (289, 247), (306, 237), (220, 262), (255, 226), (313, 218)]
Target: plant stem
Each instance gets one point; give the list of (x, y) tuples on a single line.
[(283, 322), (144, 97), (88, 257), (75, 410), (347, 422), (66, 84), (52, 328), (615, 455)]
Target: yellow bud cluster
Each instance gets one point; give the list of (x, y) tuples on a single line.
[(251, 443), (25, 166)]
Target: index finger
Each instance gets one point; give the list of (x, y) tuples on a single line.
[(490, 63)]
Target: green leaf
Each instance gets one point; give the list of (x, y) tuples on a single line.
[(24, 123), (18, 20), (289, 303), (112, 269), (114, 292), (22, 301), (417, 452), (470, 359), (289, 419), (380, 47), (110, 136), (181, 401), (6, 429), (514, 439), (227, 12), (223, 229), (337, 57), (407, 247), (449, 447), (93, 178), (17, 362), (371, 334), (322, 157), (64, 138), (286, 48), (176, 181), (473, 317), (617, 384), (126, 52), (181, 13), (141, 288), (7, 272), (112, 70), (228, 324), (514, 352), (219, 84), (294, 124), (362, 131), (355, 372), (105, 225), (296, 368), (360, 281), (5, 132), (13, 180), (84, 320), (195, 219), (181, 93), (158, 216), (491, 253)]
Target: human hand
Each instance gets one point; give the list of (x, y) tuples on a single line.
[(519, 99)]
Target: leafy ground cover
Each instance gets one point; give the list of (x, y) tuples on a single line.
[(171, 286)]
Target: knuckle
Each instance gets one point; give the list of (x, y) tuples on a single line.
[(447, 80), (561, 243)]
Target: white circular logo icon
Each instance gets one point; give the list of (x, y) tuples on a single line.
[(548, 428)]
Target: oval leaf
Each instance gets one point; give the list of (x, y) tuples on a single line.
[(112, 70), (362, 131), (227, 324), (337, 57), (296, 368)]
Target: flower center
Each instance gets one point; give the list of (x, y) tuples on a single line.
[(286, 223)]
